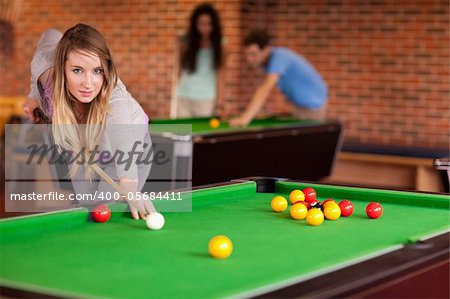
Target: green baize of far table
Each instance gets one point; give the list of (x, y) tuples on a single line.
[(65, 255), (201, 125)]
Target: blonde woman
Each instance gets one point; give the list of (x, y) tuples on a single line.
[(90, 110)]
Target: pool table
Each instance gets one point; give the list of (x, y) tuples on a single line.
[(275, 146), (64, 254)]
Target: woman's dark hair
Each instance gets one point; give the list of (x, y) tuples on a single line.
[(192, 46), (260, 37)]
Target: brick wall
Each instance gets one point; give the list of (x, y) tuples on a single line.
[(141, 35), (386, 62)]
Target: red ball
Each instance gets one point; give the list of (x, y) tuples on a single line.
[(374, 210), (310, 194), (101, 213), (346, 208)]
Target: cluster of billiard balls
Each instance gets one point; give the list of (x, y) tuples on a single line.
[(102, 213), (305, 205)]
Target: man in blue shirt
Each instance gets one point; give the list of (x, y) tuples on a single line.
[(295, 77)]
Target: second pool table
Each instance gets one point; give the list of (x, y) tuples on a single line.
[(275, 146)]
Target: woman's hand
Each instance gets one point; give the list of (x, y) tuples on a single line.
[(139, 204)]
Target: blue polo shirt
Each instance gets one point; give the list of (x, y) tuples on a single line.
[(299, 80)]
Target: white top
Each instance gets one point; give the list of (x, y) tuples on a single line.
[(201, 84)]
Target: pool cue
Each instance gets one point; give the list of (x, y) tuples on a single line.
[(113, 184), (108, 179)]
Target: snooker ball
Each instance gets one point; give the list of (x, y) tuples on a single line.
[(310, 194), (346, 208), (296, 195), (314, 217), (279, 204), (298, 211), (220, 247), (316, 204), (155, 221), (328, 200), (306, 204), (374, 210), (101, 213), (332, 211), (214, 123)]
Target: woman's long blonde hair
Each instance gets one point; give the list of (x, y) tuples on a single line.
[(81, 135)]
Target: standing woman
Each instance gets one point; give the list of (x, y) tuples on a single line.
[(200, 86), (91, 107)]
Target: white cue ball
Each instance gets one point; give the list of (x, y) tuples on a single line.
[(155, 221)]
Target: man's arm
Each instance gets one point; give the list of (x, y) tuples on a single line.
[(258, 99)]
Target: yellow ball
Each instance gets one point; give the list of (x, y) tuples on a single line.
[(314, 217), (298, 211), (214, 123), (279, 204), (332, 211), (296, 195), (329, 202), (220, 247)]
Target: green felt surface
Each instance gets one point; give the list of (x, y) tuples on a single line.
[(201, 125), (62, 253)]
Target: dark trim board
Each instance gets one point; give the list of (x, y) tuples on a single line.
[(410, 151), (18, 293)]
